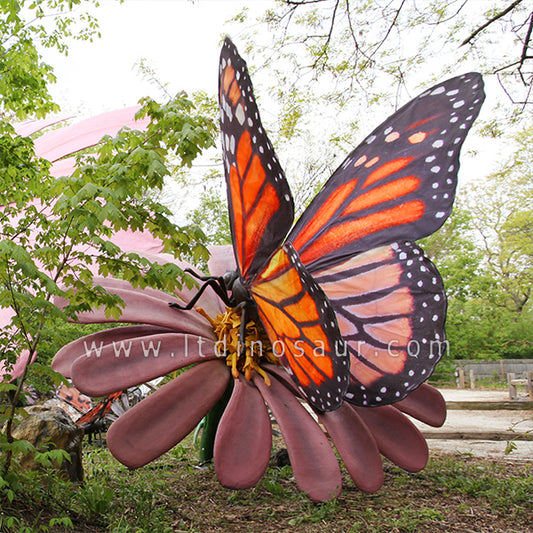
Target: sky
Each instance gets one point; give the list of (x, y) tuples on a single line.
[(179, 39)]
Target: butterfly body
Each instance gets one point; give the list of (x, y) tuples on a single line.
[(235, 285), (357, 307)]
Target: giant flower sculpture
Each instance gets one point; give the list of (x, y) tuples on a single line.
[(340, 311), (164, 340)]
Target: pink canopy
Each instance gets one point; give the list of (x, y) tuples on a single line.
[(56, 145)]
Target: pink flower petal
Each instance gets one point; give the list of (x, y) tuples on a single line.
[(222, 260), (137, 241), (244, 438), (121, 365), (25, 129), (147, 306), (209, 301), (65, 357), (313, 461), (425, 404), (63, 167), (356, 446), (114, 283), (281, 373), (159, 422), (396, 436), (6, 315), (16, 369), (57, 144)]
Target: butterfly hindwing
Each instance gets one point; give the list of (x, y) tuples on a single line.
[(391, 308), (398, 184), (302, 328), (260, 202)]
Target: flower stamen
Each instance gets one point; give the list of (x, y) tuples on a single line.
[(257, 348)]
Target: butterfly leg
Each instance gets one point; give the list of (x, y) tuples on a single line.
[(218, 286), (195, 274)]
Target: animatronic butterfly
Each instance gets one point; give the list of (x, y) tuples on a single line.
[(356, 306), (99, 411)]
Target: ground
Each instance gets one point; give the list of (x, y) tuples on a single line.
[(454, 493)]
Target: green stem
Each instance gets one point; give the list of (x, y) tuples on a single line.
[(211, 421)]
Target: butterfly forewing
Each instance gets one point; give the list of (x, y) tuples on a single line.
[(302, 328), (398, 184), (260, 203), (391, 309)]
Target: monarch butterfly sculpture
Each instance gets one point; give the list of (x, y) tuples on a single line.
[(352, 307), (349, 306)]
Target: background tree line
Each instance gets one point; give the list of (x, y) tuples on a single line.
[(326, 72)]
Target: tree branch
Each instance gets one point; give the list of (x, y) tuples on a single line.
[(352, 33), (390, 28), (490, 21), (303, 2), (328, 38), (524, 55)]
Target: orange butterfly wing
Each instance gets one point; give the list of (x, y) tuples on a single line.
[(292, 307), (259, 199), (391, 308), (399, 184)]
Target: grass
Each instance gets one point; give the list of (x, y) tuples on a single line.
[(173, 494)]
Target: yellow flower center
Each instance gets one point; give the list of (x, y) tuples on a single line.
[(257, 348)]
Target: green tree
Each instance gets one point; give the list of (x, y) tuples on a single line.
[(502, 213), (56, 232), (454, 251), (484, 255), (25, 28)]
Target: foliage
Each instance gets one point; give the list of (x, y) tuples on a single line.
[(484, 255), (56, 233), (454, 251), (212, 216), (25, 27)]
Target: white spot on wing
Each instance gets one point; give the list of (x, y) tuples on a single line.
[(239, 114), (438, 90)]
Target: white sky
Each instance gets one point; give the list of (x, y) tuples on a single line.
[(179, 39)]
